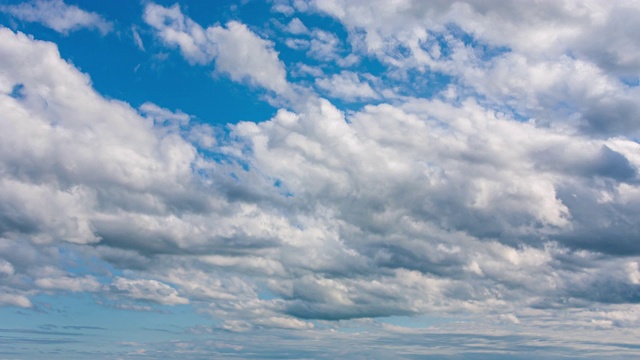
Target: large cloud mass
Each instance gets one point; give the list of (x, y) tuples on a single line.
[(487, 199)]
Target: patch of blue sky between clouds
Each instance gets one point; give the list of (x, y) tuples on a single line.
[(155, 74)]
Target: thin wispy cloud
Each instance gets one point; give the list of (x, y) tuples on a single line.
[(57, 15)]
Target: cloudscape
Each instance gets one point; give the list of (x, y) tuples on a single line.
[(304, 179)]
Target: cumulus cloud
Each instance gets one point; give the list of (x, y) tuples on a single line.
[(15, 300), (390, 210), (58, 16), (556, 63), (179, 31), (451, 204), (296, 27), (149, 290), (327, 47), (348, 86), (285, 323), (65, 283), (237, 51), (283, 8), (170, 121)]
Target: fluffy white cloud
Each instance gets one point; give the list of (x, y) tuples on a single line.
[(246, 55), (177, 30), (118, 148), (551, 28), (297, 44), (285, 323), (324, 45), (149, 290), (296, 27), (428, 187), (237, 51), (86, 163), (347, 86), (65, 283), (443, 205), (170, 121), (563, 59), (58, 16), (283, 9), (15, 300)]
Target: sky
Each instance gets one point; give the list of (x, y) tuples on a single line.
[(308, 179)]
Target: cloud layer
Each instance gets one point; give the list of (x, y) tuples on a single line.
[(507, 198)]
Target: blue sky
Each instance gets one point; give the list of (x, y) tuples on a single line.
[(319, 179)]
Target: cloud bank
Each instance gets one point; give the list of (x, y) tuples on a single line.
[(507, 198)]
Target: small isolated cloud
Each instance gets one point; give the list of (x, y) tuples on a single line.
[(282, 8), (247, 56), (137, 39), (296, 27), (58, 16), (347, 86)]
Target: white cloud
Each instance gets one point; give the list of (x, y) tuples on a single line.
[(347, 86), (58, 16), (237, 51), (430, 160), (177, 30), (324, 45), (137, 39), (444, 205), (285, 323), (297, 44), (150, 290), (550, 55), (246, 55), (430, 175), (65, 283), (6, 269), (296, 27), (203, 286), (15, 300), (283, 9), (169, 121), (327, 47), (305, 70)]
